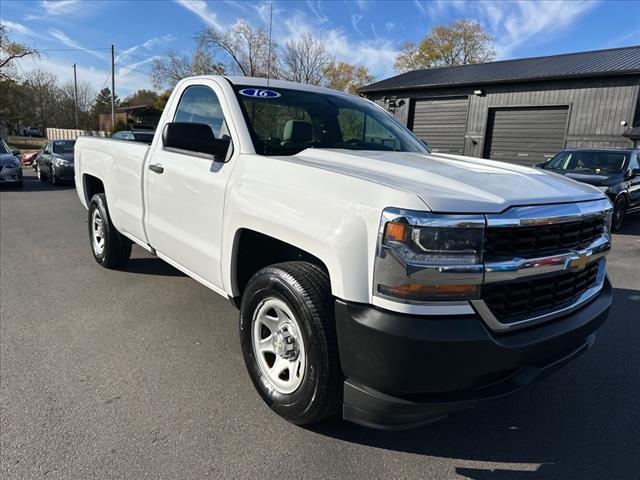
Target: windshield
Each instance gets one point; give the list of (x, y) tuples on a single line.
[(589, 161), (63, 146), (285, 122), (3, 148)]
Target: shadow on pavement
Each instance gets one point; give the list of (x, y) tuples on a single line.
[(151, 266), (630, 225), (581, 424)]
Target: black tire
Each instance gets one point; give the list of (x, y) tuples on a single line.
[(117, 247), (306, 290), (619, 210), (41, 176)]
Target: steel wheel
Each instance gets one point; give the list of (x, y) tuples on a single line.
[(278, 345), (97, 233)]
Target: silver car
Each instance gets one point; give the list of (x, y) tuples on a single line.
[(10, 166)]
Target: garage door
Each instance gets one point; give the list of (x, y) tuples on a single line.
[(442, 123), (525, 135)]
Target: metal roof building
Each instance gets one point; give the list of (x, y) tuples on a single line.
[(521, 111)]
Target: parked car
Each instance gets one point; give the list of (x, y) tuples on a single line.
[(10, 166), (55, 162), (615, 172), (375, 279), (29, 157), (31, 132), (143, 137)]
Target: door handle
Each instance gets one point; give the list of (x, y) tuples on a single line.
[(156, 168)]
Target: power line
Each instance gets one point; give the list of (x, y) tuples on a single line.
[(70, 49)]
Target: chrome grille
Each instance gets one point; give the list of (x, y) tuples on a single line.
[(514, 301), (542, 240)]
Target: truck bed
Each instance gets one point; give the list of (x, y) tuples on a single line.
[(120, 165)]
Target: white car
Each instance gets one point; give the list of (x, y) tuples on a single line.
[(375, 279)]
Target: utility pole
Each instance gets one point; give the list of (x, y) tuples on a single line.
[(75, 88), (113, 87)]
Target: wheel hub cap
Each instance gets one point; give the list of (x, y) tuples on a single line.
[(278, 345), (285, 345)]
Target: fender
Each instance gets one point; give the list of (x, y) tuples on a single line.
[(332, 216)]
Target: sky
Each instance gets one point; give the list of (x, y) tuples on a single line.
[(362, 32)]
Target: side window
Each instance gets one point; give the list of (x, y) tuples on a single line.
[(47, 148), (356, 126), (200, 104), (635, 161)]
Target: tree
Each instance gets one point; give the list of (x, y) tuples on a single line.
[(16, 107), (66, 106), (44, 90), (460, 43), (305, 60), (173, 67), (247, 48), (9, 53), (141, 97), (346, 77), (162, 100), (102, 103)]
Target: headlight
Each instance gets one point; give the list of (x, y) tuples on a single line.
[(425, 257), (60, 162)]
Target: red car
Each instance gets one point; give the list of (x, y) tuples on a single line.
[(29, 157)]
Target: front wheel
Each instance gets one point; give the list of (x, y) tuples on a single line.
[(287, 333), (110, 248), (41, 176), (619, 210)]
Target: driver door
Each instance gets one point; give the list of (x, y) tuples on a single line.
[(185, 191)]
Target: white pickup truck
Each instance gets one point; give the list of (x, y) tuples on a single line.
[(375, 279)]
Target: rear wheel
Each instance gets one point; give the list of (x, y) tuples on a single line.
[(287, 332), (619, 210), (110, 248)]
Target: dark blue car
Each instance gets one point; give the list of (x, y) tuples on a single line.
[(615, 171)]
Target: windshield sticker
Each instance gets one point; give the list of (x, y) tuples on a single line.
[(259, 93)]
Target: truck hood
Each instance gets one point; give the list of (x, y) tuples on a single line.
[(452, 183)]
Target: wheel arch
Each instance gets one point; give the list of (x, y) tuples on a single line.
[(254, 250)]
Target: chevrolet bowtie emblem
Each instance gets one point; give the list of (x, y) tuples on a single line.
[(579, 262)]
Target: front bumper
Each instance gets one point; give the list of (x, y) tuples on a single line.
[(405, 370), (64, 173), (10, 174)]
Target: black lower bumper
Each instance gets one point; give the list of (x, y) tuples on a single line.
[(405, 370)]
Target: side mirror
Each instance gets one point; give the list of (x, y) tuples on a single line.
[(633, 173), (195, 137), (15, 152), (541, 164)]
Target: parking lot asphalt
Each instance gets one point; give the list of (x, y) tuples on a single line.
[(137, 373)]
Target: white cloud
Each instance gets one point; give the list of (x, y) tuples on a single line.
[(61, 7), (64, 39), (514, 24), (126, 82), (17, 28), (148, 45), (200, 8)]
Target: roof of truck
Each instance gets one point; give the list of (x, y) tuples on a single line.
[(272, 83)]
